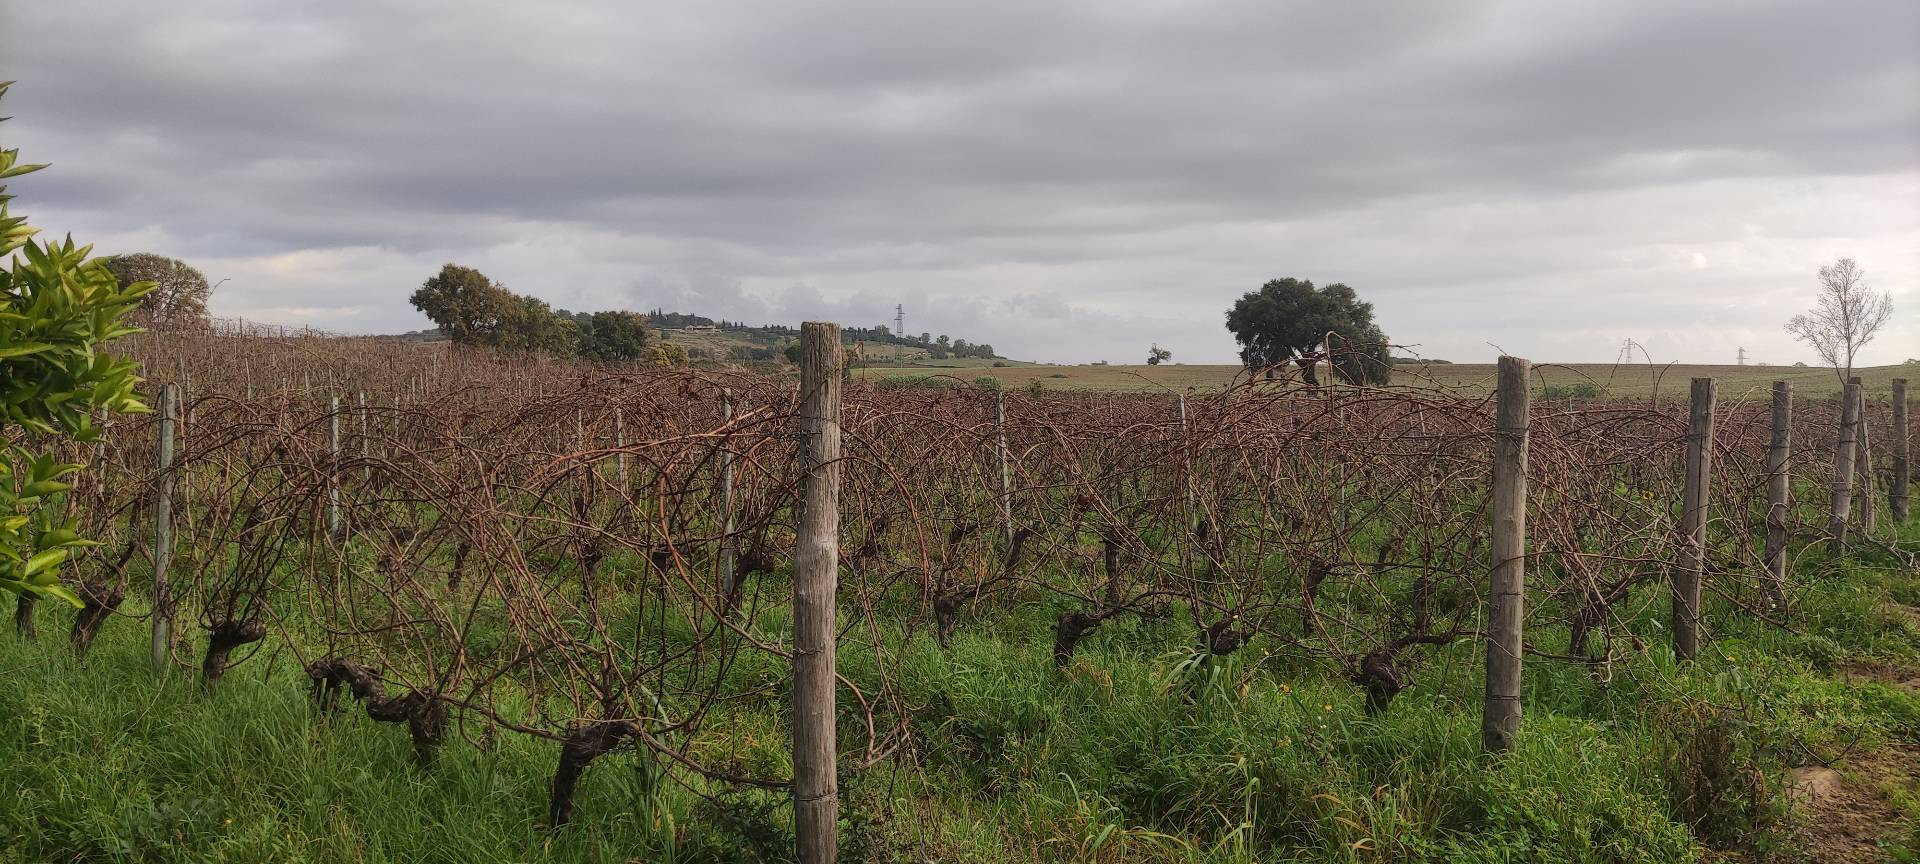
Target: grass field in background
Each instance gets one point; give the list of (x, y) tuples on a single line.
[(1469, 379)]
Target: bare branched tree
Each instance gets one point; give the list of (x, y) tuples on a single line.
[(1845, 318)]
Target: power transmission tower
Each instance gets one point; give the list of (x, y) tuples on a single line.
[(1741, 359), (899, 320)]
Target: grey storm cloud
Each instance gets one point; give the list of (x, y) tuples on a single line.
[(1068, 181)]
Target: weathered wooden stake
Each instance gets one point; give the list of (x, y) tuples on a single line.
[(1864, 485), (1843, 468), (1779, 492), (816, 570), (183, 432), (1506, 588), (1902, 455), (366, 469), (1693, 521), (620, 458), (1006, 475), (162, 642), (726, 498), (333, 469), (1193, 511)]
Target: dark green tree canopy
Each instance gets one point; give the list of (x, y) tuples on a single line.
[(536, 327), (1290, 318), (617, 335), (470, 308), (475, 310)]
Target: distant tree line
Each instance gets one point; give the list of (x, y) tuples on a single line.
[(469, 308), (678, 320), (472, 309), (937, 347)]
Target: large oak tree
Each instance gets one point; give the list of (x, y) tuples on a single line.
[(179, 297), (470, 308), (615, 335), (1291, 320)]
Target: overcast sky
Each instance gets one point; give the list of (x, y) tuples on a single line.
[(1068, 181)]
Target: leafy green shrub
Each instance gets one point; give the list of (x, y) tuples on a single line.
[(56, 308), (1575, 390), (986, 382), (1722, 781)]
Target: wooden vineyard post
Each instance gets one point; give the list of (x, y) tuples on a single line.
[(182, 433), (1843, 468), (333, 466), (726, 500), (163, 529), (1863, 467), (1006, 474), (1902, 455), (816, 571), (1693, 521), (366, 470), (1506, 589), (1193, 513), (1340, 465), (619, 445), (1779, 488)]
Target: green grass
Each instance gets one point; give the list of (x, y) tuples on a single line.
[(1121, 758), (102, 761)]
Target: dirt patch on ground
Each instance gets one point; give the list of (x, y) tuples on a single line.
[(1850, 810), (1893, 675), (1814, 786)]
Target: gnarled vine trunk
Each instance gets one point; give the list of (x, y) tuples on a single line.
[(583, 745), (1067, 633), (99, 600), (221, 641), (23, 615), (424, 713)]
